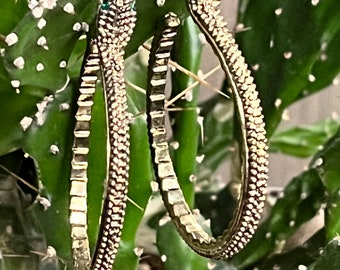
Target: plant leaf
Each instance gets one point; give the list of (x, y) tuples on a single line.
[(301, 201), (326, 162), (303, 141), (330, 257), (285, 43)]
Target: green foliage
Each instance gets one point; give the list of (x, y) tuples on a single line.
[(292, 47)]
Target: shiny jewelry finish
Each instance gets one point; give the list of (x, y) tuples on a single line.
[(253, 148), (254, 157), (115, 25), (78, 191)]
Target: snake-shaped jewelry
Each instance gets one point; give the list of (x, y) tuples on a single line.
[(116, 21), (115, 25), (78, 191), (254, 157)]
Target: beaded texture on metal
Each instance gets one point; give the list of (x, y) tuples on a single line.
[(254, 167), (78, 191), (115, 25)]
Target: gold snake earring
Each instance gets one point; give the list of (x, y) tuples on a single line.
[(116, 21), (254, 157)]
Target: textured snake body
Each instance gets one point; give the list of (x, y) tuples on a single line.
[(115, 26)]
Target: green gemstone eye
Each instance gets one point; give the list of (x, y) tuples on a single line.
[(105, 5)]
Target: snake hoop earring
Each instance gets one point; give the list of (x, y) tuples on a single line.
[(115, 26), (254, 159)]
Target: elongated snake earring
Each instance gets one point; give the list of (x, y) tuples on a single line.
[(115, 25), (253, 148)]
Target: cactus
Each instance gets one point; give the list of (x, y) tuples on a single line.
[(292, 47)]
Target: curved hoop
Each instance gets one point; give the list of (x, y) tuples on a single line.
[(254, 144)]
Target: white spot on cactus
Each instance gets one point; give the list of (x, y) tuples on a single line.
[(285, 115), (174, 145), (164, 220), (318, 162), (26, 122), (51, 252), (40, 67), (154, 186), (302, 267), (163, 258), (44, 202), (82, 37), (62, 64), (64, 106), (199, 159), (38, 7), (320, 147), (323, 57), (278, 102), (41, 108), (41, 23), (271, 43), (188, 96), (211, 265), (49, 4), (138, 251), (160, 3), (54, 149), (268, 235), (42, 41), (315, 2), (303, 195), (19, 62), (69, 8), (288, 55), (77, 27), (37, 12), (213, 197), (2, 52), (292, 223), (32, 4), (255, 67), (192, 178), (311, 78), (240, 27), (278, 11), (85, 26), (15, 83), (11, 39)]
